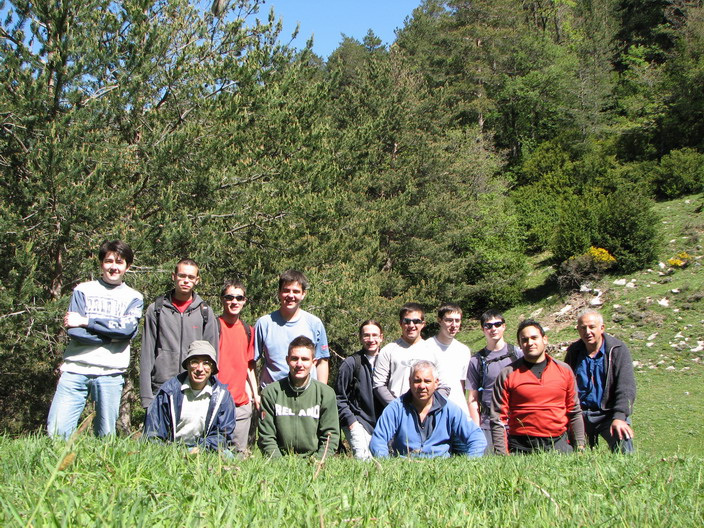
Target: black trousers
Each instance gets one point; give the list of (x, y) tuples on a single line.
[(524, 444)]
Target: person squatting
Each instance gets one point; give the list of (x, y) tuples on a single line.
[(413, 397)]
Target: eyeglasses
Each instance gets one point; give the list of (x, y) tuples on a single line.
[(230, 298), (489, 326), (197, 362), (408, 321)]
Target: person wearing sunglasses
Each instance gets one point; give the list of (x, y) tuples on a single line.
[(236, 359), (172, 322), (396, 359), (485, 366)]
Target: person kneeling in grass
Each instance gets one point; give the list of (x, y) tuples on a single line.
[(299, 414), (194, 407), (423, 423)]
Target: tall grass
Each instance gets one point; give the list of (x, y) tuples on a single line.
[(121, 482)]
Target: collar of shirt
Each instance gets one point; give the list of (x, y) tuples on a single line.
[(207, 390)]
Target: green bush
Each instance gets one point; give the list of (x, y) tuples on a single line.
[(680, 172), (627, 228), (537, 215), (575, 227), (590, 266)]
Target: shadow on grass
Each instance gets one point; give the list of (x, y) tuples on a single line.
[(541, 291)]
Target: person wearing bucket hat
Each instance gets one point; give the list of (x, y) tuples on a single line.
[(194, 407)]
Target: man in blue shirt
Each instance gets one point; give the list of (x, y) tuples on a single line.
[(604, 370), (423, 423), (275, 331)]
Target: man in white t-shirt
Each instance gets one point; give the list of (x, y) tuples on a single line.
[(393, 367), (452, 356)]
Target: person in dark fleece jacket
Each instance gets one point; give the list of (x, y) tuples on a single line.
[(607, 388), (356, 404)]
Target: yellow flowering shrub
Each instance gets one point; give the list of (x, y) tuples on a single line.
[(681, 260), (600, 255)]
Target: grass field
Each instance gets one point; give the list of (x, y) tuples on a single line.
[(126, 483), (123, 482)]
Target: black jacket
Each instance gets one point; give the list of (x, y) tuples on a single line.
[(355, 401), (620, 384)]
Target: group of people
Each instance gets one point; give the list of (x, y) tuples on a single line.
[(412, 397)]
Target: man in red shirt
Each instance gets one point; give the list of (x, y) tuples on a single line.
[(236, 359), (536, 397)]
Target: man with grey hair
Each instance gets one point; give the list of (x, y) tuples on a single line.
[(607, 389), (194, 407), (424, 423)]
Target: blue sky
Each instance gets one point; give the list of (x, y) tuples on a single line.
[(326, 20)]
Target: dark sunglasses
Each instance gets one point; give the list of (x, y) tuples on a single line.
[(408, 321), (493, 325), (231, 298)]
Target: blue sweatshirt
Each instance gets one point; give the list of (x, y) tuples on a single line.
[(446, 431)]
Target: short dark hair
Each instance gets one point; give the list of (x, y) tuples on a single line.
[(525, 324), (491, 314), (293, 276), (187, 262), (119, 247), (411, 307), (370, 322), (449, 308), (301, 342), (232, 284)]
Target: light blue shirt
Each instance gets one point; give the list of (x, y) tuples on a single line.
[(273, 335)]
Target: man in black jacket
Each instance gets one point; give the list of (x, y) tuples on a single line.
[(356, 404), (607, 389)]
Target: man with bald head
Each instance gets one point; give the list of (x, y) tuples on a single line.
[(607, 389)]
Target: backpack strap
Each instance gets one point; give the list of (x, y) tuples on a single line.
[(247, 330), (158, 305), (482, 356), (204, 313), (357, 356)]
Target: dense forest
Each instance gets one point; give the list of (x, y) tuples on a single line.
[(429, 170)]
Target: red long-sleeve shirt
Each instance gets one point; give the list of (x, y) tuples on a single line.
[(530, 406)]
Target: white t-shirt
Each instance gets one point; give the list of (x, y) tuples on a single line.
[(452, 363), (393, 367)]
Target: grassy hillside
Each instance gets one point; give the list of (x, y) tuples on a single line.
[(126, 483), (659, 313)]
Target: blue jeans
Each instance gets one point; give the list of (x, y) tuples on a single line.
[(70, 400)]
